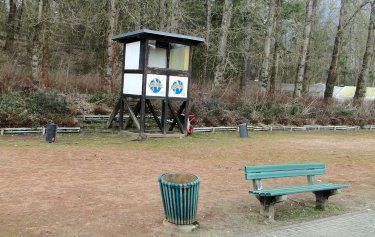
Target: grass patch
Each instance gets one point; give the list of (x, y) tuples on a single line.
[(111, 137), (288, 211), (256, 218), (291, 211)]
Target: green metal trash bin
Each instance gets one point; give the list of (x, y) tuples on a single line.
[(179, 193)]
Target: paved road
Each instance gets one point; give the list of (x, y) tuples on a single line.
[(352, 224)]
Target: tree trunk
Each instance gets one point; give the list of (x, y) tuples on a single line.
[(276, 52), (109, 59), (307, 73), (19, 16), (332, 73), (267, 47), (163, 7), (247, 4), (45, 44), (35, 58), (363, 76), (225, 24), (208, 6), (303, 55), (174, 16), (11, 26)]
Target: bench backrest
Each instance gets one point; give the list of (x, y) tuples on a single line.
[(280, 171)]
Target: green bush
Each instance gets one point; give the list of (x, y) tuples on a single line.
[(101, 97), (20, 109), (13, 103), (97, 97), (46, 102), (13, 110)]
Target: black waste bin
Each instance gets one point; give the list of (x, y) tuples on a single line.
[(51, 132), (179, 193)]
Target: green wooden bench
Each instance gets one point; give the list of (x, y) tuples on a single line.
[(268, 197)]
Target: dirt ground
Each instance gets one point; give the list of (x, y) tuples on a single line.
[(106, 185)]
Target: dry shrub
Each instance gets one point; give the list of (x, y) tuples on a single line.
[(229, 107), (79, 104), (88, 83), (371, 120), (7, 75), (297, 121), (60, 120), (268, 121), (65, 121), (283, 120), (227, 119), (210, 121), (9, 80), (323, 120), (102, 109), (7, 120)]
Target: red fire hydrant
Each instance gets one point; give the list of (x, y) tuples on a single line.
[(189, 126)]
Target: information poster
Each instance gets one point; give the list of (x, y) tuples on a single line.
[(178, 87), (156, 85)]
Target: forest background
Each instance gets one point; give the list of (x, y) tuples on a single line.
[(57, 59)]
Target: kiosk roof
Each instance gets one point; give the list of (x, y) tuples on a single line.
[(157, 35)]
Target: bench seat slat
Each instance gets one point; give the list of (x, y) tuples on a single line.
[(281, 174), (297, 189), (284, 167)]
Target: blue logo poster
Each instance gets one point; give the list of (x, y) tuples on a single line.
[(178, 87), (156, 85)]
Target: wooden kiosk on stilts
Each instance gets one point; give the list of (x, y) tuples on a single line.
[(156, 79)]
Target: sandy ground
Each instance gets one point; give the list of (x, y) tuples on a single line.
[(107, 186)]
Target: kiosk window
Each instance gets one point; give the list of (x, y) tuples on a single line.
[(157, 56), (179, 57)]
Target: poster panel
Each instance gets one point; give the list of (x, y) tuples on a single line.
[(132, 54), (132, 84), (178, 87), (156, 85)]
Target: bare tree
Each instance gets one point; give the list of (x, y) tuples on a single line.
[(112, 21), (276, 50), (303, 54), (310, 48), (332, 73), (163, 7), (364, 73), (35, 59), (19, 16), (225, 24), (45, 44), (10, 26), (174, 17), (247, 73), (208, 6), (267, 47)]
